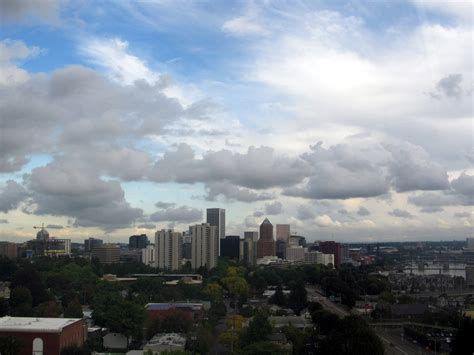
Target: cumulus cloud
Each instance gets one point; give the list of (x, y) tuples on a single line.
[(258, 214), (363, 211), (258, 168), (181, 214), (401, 213), (412, 169), (305, 212), (164, 205), (11, 195), (234, 193), (3, 221), (463, 214), (62, 188), (340, 173), (273, 208), (325, 221)]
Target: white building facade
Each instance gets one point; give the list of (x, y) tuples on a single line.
[(205, 245), (168, 250)]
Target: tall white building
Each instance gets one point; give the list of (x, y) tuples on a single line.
[(168, 249), (205, 245), (149, 255)]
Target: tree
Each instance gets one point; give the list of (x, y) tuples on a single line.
[(49, 309), (235, 284), (259, 329), (31, 279), (73, 309), (10, 345), (279, 297), (298, 299), (21, 302), (214, 291), (462, 343), (263, 348), (75, 350), (233, 330)]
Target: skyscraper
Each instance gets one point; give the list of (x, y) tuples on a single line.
[(168, 249), (205, 245), (216, 218), (138, 241), (283, 232), (266, 243)]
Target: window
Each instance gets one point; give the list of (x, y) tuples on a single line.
[(38, 346)]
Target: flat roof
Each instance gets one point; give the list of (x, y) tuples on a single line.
[(33, 324)]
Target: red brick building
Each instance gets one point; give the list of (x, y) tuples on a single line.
[(10, 250), (266, 244), (44, 336)]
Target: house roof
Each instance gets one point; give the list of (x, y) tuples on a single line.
[(33, 324)]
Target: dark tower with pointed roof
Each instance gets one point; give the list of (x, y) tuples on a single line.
[(266, 243)]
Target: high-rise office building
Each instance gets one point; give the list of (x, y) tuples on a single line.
[(266, 243), (283, 232), (149, 255), (168, 249), (205, 245), (251, 235), (216, 218), (107, 253), (92, 243), (230, 247), (280, 245), (138, 241), (187, 246)]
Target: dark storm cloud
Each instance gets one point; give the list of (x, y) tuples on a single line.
[(233, 193), (11, 195), (181, 214), (401, 213)]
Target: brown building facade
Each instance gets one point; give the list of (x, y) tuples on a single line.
[(331, 247), (266, 243), (44, 336), (10, 250)]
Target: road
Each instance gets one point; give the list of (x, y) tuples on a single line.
[(393, 343)]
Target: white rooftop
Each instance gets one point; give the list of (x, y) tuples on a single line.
[(33, 324)]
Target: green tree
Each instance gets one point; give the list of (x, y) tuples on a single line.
[(235, 284), (31, 279), (49, 309), (259, 329), (21, 302), (279, 297), (10, 345), (298, 298), (73, 309)]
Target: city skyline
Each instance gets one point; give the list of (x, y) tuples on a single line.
[(348, 121)]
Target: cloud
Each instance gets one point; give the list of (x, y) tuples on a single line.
[(412, 169), (273, 208), (362, 211), (11, 195), (325, 221), (258, 214), (464, 185), (401, 213), (181, 214), (258, 168), (3, 221), (463, 214), (305, 212), (164, 205), (244, 26), (340, 173), (12, 52), (234, 193), (54, 226), (449, 86), (343, 211), (62, 188), (147, 226), (19, 10)]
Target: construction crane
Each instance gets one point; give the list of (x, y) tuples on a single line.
[(36, 227)]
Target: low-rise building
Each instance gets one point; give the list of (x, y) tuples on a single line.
[(166, 342), (190, 311), (107, 253), (46, 336), (10, 250)]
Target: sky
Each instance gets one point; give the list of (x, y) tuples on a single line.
[(350, 120)]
